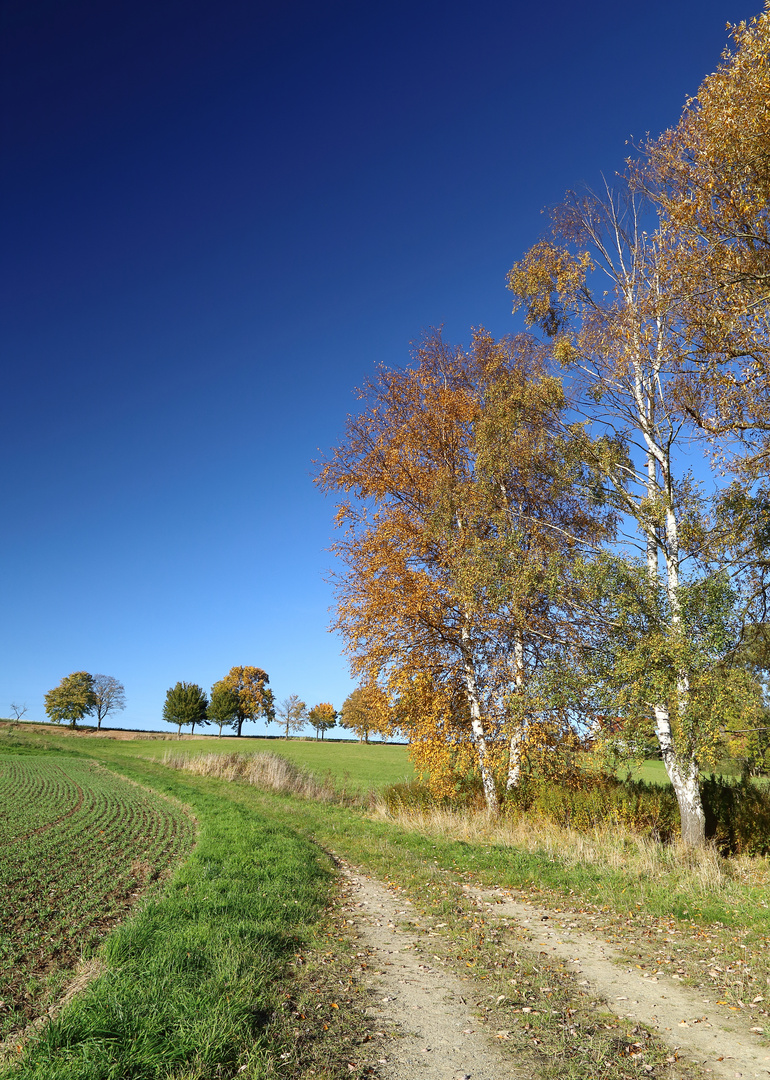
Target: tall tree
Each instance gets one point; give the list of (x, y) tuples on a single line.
[(323, 717), (72, 699), (462, 514), (255, 698), (293, 714), (710, 180), (595, 287), (186, 703), (224, 705), (109, 696)]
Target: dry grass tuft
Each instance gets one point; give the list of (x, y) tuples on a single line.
[(267, 771)]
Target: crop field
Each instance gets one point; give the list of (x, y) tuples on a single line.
[(77, 843)]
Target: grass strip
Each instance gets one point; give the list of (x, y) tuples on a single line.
[(565, 1032)]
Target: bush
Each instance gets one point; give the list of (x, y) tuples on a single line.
[(737, 815)]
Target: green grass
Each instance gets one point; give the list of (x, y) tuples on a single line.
[(194, 977), (357, 766)]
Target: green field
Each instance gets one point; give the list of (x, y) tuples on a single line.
[(357, 766), (211, 975), (76, 843)]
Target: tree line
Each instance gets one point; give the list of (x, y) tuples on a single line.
[(242, 696), (528, 561)]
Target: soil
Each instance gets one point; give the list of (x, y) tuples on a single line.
[(425, 1011)]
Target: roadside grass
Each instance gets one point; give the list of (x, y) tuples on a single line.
[(565, 1032)]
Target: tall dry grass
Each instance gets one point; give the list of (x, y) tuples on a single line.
[(696, 872), (268, 771)]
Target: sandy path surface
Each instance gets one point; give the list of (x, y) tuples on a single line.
[(419, 1002), (425, 1012), (686, 1018)]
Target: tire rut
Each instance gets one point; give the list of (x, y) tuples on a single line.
[(421, 1006), (686, 1018)]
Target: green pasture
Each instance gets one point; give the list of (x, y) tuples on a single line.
[(353, 765)]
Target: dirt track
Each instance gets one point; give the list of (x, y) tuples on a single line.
[(424, 1007)]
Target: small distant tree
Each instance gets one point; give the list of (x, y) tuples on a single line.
[(72, 699), (255, 698), (364, 711), (323, 717), (293, 714), (223, 707), (186, 703), (18, 711), (109, 695)]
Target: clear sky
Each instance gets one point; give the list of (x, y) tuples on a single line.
[(218, 218)]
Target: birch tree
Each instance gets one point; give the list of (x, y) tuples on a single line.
[(596, 289), (710, 181), (458, 524)]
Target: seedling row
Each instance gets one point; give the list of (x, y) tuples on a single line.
[(77, 843)]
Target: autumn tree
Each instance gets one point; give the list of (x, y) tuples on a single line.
[(365, 712), (72, 699), (109, 696), (596, 288), (292, 712), (464, 509), (710, 181), (186, 703), (224, 705), (255, 698), (323, 717)]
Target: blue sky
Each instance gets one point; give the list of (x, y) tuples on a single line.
[(219, 217)]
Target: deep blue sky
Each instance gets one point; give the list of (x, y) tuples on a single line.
[(218, 217)]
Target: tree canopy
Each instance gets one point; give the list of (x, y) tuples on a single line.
[(465, 507), (255, 698), (72, 699), (323, 717), (186, 703), (109, 697)]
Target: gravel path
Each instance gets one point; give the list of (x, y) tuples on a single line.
[(427, 1025)]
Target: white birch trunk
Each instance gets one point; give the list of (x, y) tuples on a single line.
[(518, 735), (682, 771), (477, 726), (685, 782)]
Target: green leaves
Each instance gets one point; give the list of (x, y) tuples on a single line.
[(186, 703), (72, 699)]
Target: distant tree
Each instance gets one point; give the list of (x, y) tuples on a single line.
[(110, 697), (186, 703), (223, 707), (323, 717), (293, 714), (72, 699), (18, 711), (255, 698), (364, 711)]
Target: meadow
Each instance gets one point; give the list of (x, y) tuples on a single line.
[(220, 970)]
